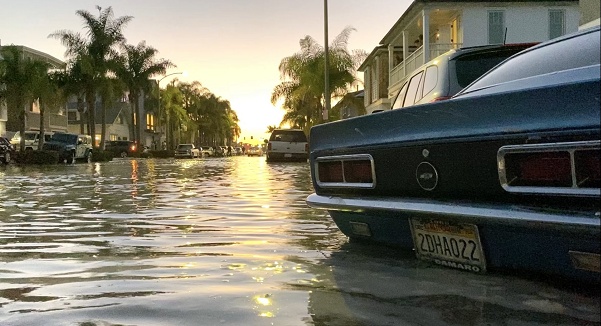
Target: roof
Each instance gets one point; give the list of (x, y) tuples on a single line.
[(112, 112), (39, 55)]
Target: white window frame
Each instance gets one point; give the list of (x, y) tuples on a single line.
[(551, 23), (502, 31)]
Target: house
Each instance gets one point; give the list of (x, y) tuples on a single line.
[(589, 10), (54, 119), (429, 28), (118, 120)]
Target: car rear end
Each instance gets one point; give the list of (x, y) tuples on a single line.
[(287, 145)]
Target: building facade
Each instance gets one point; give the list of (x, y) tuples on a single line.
[(429, 28)]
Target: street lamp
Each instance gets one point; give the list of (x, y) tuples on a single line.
[(159, 105)]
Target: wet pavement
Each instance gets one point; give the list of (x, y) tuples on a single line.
[(227, 241)]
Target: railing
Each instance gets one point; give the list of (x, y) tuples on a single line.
[(416, 59), (53, 121)]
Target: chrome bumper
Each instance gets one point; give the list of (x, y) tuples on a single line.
[(475, 213)]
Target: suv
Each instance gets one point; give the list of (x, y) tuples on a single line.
[(287, 145), (121, 148), (70, 147), (187, 150), (447, 74), (32, 139)]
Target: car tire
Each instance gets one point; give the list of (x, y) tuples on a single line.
[(123, 154), (71, 158), (89, 157), (6, 158)]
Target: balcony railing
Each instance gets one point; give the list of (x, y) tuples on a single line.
[(416, 59)]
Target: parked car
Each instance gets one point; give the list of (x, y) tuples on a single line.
[(447, 74), (121, 148), (238, 151), (255, 151), (206, 151), (32, 139), (70, 147), (7, 150), (287, 145), (187, 150), (504, 176)]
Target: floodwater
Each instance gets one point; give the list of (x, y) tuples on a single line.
[(227, 241)]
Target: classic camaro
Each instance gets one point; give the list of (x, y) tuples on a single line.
[(504, 176)]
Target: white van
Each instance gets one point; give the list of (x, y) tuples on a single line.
[(32, 139)]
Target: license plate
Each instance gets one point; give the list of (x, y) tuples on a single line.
[(287, 155), (449, 244)]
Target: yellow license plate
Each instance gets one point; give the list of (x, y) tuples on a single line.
[(454, 245)]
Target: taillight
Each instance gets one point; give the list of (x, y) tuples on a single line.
[(350, 171), (587, 169), (570, 168), (330, 171), (358, 171), (440, 98), (545, 169), (133, 148)]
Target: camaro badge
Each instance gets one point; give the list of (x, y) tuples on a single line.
[(427, 176)]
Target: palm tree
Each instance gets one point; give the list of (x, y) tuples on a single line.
[(135, 68), (302, 88), (71, 82), (23, 81), (94, 51), (171, 101), (270, 129)]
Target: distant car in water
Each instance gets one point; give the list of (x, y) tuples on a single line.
[(447, 74), (187, 150), (255, 151), (121, 148), (70, 147), (6, 150), (504, 176)]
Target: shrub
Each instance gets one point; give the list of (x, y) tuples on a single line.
[(36, 157)]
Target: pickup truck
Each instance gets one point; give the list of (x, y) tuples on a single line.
[(287, 145)]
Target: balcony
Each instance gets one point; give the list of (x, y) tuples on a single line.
[(415, 60), (54, 122)]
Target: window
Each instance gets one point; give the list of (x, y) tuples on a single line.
[(496, 27), (430, 79), (571, 53), (398, 102), (412, 89), (72, 115), (556, 23), (149, 121)]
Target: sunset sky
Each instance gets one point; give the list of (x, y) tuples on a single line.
[(232, 47)]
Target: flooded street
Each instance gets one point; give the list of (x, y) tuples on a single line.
[(226, 241)]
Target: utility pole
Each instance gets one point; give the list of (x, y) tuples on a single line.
[(327, 63)]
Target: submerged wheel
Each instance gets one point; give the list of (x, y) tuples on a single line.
[(123, 154), (89, 157), (71, 158), (6, 159)]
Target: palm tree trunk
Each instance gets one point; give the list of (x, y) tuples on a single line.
[(42, 125), (103, 132), (91, 99), (80, 109), (22, 115)]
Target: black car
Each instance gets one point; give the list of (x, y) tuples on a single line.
[(6, 150), (504, 176), (121, 148)]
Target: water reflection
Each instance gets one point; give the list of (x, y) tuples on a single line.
[(226, 241)]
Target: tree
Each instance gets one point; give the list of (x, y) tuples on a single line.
[(24, 81), (303, 85), (135, 68), (94, 51)]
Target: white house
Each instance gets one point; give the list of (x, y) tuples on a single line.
[(453, 24)]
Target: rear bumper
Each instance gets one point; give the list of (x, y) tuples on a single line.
[(512, 237), (272, 156)]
